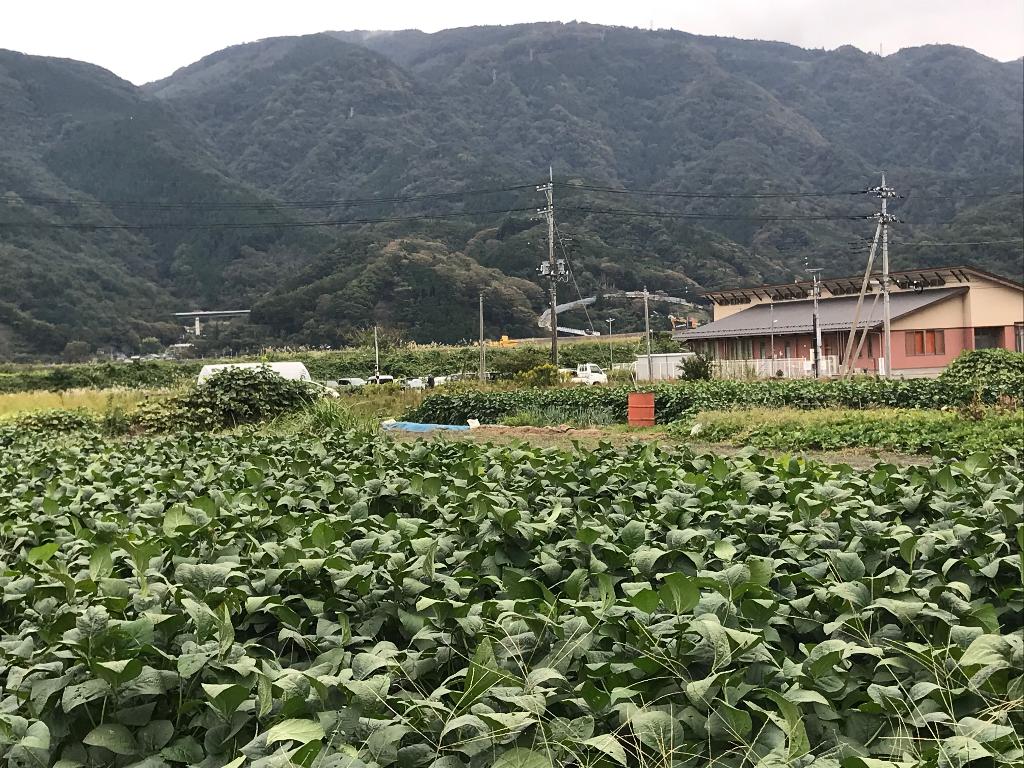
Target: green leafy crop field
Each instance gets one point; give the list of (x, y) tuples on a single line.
[(338, 601)]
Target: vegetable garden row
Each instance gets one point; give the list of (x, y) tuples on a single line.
[(983, 377), (343, 601)]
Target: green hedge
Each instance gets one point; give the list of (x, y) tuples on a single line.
[(1001, 375), (425, 360)]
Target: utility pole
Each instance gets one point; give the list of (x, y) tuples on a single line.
[(884, 193), (849, 361), (483, 344), (815, 325), (611, 346), (552, 269), (647, 331), (376, 356), (771, 320)]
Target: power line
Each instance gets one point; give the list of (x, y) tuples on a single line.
[(963, 242), (703, 195), (727, 216), (300, 204), (256, 225), (912, 196), (572, 275), (770, 195)]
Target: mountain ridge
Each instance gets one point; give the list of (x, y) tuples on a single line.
[(347, 116)]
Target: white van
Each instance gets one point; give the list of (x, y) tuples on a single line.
[(291, 371)]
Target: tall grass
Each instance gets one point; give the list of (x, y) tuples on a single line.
[(556, 415), (94, 400)]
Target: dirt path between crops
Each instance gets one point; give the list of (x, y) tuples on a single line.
[(565, 437)]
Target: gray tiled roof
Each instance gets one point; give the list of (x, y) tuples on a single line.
[(835, 314)]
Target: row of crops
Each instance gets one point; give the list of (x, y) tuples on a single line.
[(341, 601), (983, 377)]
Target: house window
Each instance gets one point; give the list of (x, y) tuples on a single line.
[(1018, 337), (988, 338), (925, 343)]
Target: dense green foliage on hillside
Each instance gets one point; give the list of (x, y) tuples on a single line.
[(215, 148)]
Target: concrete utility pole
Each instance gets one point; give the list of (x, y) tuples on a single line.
[(647, 331), (884, 193), (483, 344), (376, 356), (850, 362), (611, 346), (815, 324), (551, 269)]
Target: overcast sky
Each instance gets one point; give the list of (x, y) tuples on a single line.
[(143, 41)]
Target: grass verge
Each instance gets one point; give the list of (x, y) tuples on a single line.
[(904, 431)]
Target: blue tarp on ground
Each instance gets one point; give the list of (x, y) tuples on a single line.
[(412, 426)]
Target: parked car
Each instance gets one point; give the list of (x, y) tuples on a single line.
[(589, 374), (416, 383), (351, 382), (381, 379)]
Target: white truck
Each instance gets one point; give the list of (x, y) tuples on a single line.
[(589, 374)]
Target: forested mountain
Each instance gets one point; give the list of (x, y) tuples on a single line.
[(348, 126)]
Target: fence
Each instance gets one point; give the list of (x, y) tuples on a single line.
[(665, 366), (785, 367)]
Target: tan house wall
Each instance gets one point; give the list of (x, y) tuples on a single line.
[(951, 313), (990, 304), (719, 311)]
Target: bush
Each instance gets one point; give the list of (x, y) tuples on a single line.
[(56, 422), (545, 375), (229, 398), (987, 375), (696, 368)]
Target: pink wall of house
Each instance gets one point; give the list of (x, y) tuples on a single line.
[(956, 341)]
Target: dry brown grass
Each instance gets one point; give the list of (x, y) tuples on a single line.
[(96, 400)]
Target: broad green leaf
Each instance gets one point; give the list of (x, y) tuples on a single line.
[(43, 552), (957, 751), (174, 518), (982, 731), (154, 736), (117, 738), (848, 566), (609, 746), (633, 534), (183, 750), (226, 698), (76, 695), (986, 650), (645, 600), (482, 675), (299, 730), (101, 564), (522, 758), (657, 730), (679, 593), (724, 550)]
